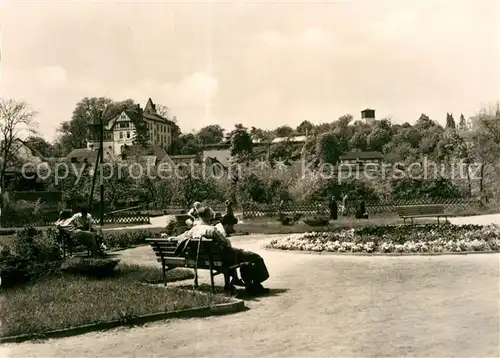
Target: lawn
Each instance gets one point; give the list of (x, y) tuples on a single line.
[(70, 301), (273, 226)]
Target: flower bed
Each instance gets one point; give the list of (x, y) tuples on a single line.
[(396, 239)]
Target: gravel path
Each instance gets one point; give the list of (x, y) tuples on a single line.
[(324, 305)]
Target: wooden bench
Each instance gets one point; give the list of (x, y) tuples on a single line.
[(67, 244), (209, 257), (421, 211)]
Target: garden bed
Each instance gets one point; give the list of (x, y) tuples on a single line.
[(68, 301), (396, 239)]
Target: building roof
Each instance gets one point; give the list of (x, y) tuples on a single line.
[(187, 158), (84, 153), (141, 150), (222, 145), (151, 114), (367, 110), (361, 155), (295, 139)]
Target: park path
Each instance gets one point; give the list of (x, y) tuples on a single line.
[(323, 305)]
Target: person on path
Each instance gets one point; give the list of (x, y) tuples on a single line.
[(253, 269), (229, 220), (333, 208), (344, 205)]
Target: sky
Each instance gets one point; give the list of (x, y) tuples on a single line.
[(259, 64)]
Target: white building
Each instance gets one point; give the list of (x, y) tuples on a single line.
[(120, 130)]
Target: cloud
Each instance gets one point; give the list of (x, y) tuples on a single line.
[(197, 89), (307, 37), (52, 77)]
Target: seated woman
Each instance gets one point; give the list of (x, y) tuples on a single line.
[(193, 214), (253, 269), (79, 228)]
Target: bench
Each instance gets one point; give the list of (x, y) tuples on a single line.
[(67, 244), (421, 211), (209, 258)]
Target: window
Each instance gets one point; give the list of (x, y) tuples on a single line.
[(124, 124), (121, 135), (128, 134)]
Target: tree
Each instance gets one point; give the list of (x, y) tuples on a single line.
[(75, 133), (283, 131), (15, 117), (163, 111), (462, 124), (305, 127), (260, 135), (186, 144), (380, 136), (211, 134), (358, 141), (450, 122), (327, 148), (424, 122), (41, 145), (241, 143)]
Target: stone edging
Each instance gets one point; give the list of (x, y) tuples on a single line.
[(218, 309), (382, 253)]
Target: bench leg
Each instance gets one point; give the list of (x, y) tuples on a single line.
[(211, 275), (196, 278), (164, 273)]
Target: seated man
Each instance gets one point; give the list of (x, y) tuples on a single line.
[(253, 270), (229, 220), (79, 227)]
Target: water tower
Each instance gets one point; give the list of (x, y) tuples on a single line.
[(368, 116)]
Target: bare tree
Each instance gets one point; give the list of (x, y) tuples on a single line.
[(163, 111), (15, 117)]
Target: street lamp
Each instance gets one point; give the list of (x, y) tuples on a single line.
[(99, 160)]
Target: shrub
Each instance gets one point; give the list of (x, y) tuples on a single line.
[(124, 239), (88, 266), (33, 253), (408, 188)]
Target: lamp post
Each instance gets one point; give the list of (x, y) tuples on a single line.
[(98, 164), (101, 156)]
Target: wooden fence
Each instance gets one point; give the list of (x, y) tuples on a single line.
[(451, 206)]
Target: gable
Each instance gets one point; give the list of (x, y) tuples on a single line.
[(122, 117), (150, 107)]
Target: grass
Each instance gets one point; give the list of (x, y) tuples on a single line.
[(273, 226), (71, 301)]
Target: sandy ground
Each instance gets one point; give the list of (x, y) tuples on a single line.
[(324, 305)]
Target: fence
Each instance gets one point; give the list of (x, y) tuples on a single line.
[(451, 206), (182, 209), (13, 220), (124, 217)]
